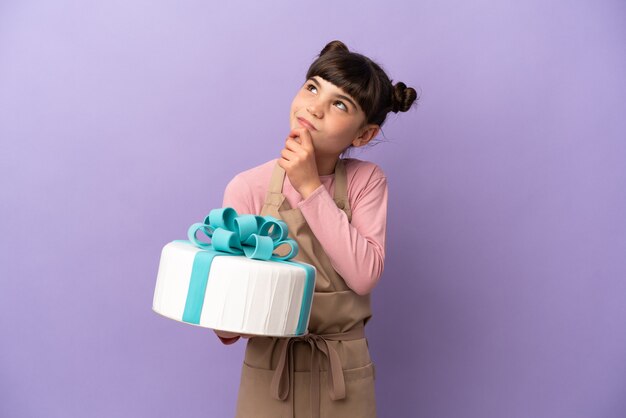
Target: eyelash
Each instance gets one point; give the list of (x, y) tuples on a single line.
[(345, 109)]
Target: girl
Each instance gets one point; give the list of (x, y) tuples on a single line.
[(335, 208)]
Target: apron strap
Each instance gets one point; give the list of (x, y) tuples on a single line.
[(283, 379), (276, 182), (341, 189), (274, 196)]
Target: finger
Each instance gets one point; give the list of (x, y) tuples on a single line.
[(288, 155), (285, 164), (306, 141), (226, 334), (296, 153), (296, 133), (292, 144)]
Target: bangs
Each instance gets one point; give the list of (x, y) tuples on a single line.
[(353, 73)]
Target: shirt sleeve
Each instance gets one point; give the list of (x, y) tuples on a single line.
[(356, 249), (238, 196)]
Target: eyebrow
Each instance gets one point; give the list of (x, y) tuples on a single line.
[(341, 96)]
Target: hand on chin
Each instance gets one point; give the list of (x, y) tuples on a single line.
[(298, 161)]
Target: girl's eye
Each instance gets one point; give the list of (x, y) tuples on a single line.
[(311, 86), (341, 106)]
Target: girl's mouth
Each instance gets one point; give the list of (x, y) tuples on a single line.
[(306, 124)]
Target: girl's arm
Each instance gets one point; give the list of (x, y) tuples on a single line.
[(356, 249)]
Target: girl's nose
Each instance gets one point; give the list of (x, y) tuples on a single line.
[(314, 110)]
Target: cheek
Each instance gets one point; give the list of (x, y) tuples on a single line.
[(297, 101), (344, 128)]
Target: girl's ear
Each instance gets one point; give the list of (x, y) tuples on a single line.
[(368, 133)]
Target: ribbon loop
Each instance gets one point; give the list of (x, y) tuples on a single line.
[(254, 236)]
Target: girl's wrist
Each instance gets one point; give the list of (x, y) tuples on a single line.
[(309, 189)]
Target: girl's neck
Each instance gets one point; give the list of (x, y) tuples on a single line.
[(326, 165)]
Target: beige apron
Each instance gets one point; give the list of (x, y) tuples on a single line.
[(327, 373)]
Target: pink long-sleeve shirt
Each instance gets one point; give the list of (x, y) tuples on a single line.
[(356, 249)]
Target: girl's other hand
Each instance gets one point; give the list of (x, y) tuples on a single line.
[(298, 161), (230, 337), (226, 334)]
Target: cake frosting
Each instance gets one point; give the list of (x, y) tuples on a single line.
[(234, 291)]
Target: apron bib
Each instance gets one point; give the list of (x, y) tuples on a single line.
[(328, 372)]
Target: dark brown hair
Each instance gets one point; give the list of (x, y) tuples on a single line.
[(364, 80)]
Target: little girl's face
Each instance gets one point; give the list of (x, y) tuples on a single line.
[(333, 118)]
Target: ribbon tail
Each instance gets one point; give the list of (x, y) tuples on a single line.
[(336, 381), (279, 387), (292, 369), (315, 381)]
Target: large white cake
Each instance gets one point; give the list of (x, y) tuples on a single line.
[(241, 294)]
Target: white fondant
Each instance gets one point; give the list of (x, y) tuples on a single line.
[(173, 279), (242, 295)]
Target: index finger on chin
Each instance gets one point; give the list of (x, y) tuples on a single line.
[(295, 132)]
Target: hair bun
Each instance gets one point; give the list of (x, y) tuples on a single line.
[(333, 46), (402, 97)]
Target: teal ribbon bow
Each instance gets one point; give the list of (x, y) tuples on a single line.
[(251, 235)]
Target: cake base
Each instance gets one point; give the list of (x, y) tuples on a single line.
[(239, 294)]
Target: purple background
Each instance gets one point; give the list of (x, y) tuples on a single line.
[(504, 289)]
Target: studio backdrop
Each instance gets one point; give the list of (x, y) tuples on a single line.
[(503, 293)]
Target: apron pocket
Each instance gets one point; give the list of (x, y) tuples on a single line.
[(369, 370), (254, 399), (360, 400)]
